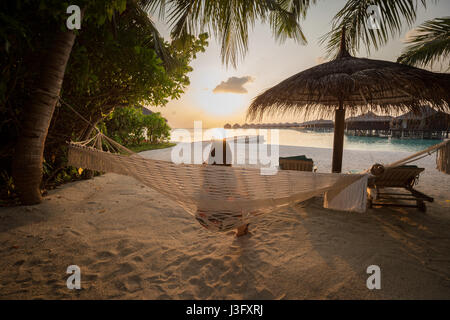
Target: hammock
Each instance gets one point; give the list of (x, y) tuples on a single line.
[(220, 198), (223, 198)]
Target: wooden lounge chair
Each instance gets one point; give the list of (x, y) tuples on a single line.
[(404, 177), (299, 163)]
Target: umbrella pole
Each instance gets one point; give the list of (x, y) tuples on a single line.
[(338, 141)]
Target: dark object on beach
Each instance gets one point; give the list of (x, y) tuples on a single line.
[(354, 85), (242, 230), (299, 163), (227, 161), (226, 154), (377, 169), (403, 177)]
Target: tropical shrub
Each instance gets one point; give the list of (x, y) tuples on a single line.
[(129, 126)]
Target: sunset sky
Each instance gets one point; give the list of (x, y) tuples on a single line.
[(219, 95)]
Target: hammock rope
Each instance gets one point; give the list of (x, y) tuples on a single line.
[(222, 198), (442, 158)]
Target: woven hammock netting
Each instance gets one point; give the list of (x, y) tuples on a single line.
[(221, 198)]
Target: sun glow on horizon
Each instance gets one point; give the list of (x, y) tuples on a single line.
[(220, 104)]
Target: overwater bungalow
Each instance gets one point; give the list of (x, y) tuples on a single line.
[(227, 126), (319, 125), (430, 124), (368, 124)]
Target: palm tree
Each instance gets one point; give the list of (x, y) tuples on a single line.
[(28, 153), (358, 17), (229, 21), (430, 43)]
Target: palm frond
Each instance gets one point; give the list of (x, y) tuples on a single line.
[(356, 17), (230, 21), (283, 20), (431, 43), (139, 11)]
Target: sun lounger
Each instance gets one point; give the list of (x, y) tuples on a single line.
[(299, 163), (403, 177)]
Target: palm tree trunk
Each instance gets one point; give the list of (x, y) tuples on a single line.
[(28, 156)]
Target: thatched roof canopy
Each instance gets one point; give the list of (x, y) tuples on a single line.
[(425, 112), (360, 84), (353, 85)]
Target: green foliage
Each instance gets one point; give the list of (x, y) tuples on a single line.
[(7, 185), (118, 59), (129, 126), (122, 66), (431, 43)]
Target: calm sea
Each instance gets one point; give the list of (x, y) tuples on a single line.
[(325, 140)]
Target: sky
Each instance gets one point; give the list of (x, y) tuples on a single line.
[(218, 95)]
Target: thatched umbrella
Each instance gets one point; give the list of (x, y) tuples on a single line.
[(355, 85)]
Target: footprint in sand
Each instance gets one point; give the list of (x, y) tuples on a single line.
[(126, 251), (19, 263), (23, 277), (124, 268), (105, 255), (154, 279), (75, 232), (90, 277), (133, 283), (126, 247), (52, 281)]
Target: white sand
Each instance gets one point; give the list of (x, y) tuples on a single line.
[(131, 242)]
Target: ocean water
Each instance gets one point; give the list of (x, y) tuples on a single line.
[(312, 139)]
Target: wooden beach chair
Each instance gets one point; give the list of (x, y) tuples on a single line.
[(299, 163), (403, 177)]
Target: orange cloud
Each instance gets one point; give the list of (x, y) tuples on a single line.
[(233, 85)]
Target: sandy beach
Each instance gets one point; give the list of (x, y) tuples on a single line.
[(132, 243)]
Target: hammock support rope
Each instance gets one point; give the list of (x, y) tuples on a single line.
[(222, 198)]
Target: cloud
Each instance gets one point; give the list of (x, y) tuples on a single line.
[(233, 85)]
